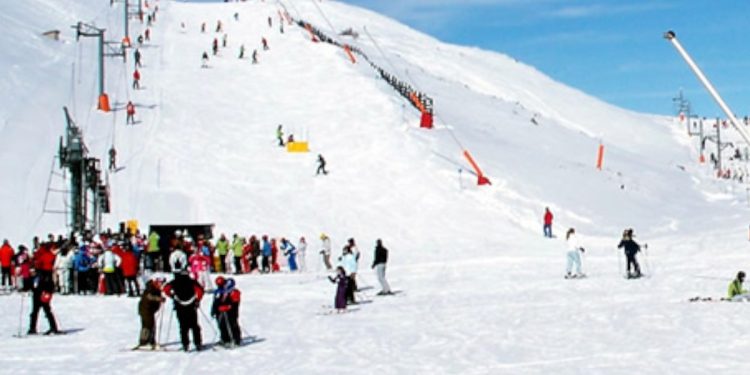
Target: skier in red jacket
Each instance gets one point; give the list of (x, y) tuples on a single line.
[(6, 262), (548, 222), (130, 110), (129, 266)]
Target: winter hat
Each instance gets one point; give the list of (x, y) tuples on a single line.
[(220, 281)]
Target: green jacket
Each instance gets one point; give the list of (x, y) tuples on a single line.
[(237, 246), (735, 288), (222, 246), (153, 242)]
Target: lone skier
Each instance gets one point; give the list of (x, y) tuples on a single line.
[(548, 222), (41, 298), (379, 262), (631, 249), (280, 135), (321, 166), (130, 110), (736, 293)]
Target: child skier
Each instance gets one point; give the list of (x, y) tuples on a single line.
[(199, 266), (342, 282), (226, 310), (148, 306)]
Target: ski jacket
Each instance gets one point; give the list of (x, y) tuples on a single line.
[(44, 259), (150, 300), (24, 263), (237, 247), (153, 242), (109, 261), (129, 264), (572, 243), (288, 248), (82, 260), (266, 248), (381, 256), (6, 256), (548, 218), (735, 288), (222, 246), (185, 291), (631, 247), (226, 299), (64, 262), (349, 262), (327, 246), (198, 263), (130, 108)]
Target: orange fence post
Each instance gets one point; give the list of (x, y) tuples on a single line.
[(348, 51), (416, 102), (482, 180), (312, 34), (103, 103), (600, 157)]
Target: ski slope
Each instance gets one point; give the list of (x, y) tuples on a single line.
[(483, 290)]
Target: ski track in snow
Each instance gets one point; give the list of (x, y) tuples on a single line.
[(483, 293)]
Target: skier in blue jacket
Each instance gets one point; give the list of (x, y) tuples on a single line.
[(291, 252), (82, 266), (266, 250)]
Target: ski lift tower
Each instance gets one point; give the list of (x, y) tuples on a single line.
[(89, 196), (106, 48), (672, 37)]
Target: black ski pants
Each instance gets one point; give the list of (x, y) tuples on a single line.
[(130, 282), (188, 318), (633, 263), (36, 304), (6, 276), (229, 327)]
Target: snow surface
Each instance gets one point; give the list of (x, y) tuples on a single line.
[(483, 291)]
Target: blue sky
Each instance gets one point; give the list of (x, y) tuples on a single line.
[(613, 50)]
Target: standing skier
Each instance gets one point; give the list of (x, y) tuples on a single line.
[(186, 294), (326, 251), (381, 258), (301, 250), (341, 282), (204, 60), (280, 135), (291, 252), (136, 80), (266, 252), (148, 306), (574, 251), (349, 263), (631, 249), (137, 58), (226, 310), (6, 262), (41, 298), (321, 166), (548, 223), (108, 264), (130, 111)]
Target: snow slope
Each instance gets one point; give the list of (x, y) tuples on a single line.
[(483, 290)]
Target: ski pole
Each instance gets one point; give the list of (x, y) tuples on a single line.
[(216, 334), (228, 326), (169, 325), (161, 320), (20, 314)]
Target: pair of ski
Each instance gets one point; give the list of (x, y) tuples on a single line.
[(61, 332), (213, 347)]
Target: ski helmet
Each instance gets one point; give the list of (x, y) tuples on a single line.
[(220, 281)]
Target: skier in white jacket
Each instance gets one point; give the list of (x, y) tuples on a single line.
[(573, 252)]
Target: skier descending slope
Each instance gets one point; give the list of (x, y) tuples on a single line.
[(631, 249), (574, 251), (186, 294), (226, 310)]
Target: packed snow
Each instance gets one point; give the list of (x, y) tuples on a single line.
[(482, 289)]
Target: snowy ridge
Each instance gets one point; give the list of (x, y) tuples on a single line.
[(483, 291)]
